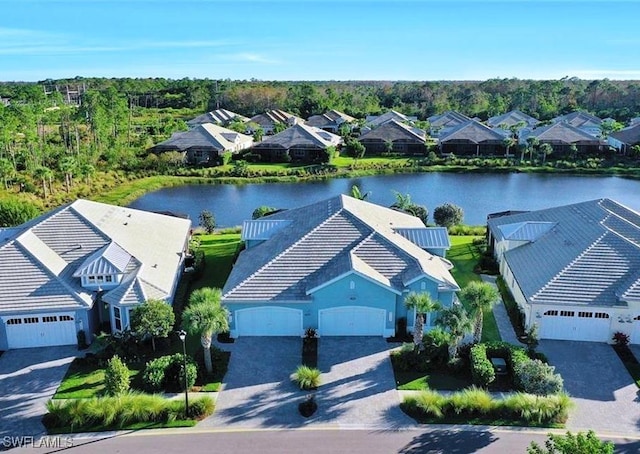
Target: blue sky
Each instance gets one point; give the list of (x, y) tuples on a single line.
[(319, 40)]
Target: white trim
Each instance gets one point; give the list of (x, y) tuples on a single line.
[(348, 273)]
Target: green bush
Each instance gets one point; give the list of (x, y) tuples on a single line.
[(307, 377), (120, 411), (482, 371), (167, 373), (572, 444), (407, 358), (539, 378), (479, 405), (116, 377)]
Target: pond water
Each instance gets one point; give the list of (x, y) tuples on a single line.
[(477, 194)]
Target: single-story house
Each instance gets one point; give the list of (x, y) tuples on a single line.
[(441, 124), (561, 136), (341, 266), (374, 121), (330, 121), (403, 139), (574, 269), (583, 121), (218, 117), (83, 265), (624, 139), (297, 143), (205, 144), (472, 138), (268, 120), (512, 118)]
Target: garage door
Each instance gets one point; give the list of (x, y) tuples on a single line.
[(269, 321), (41, 330), (635, 333), (575, 325), (351, 321)]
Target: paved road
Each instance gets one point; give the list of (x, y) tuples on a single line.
[(605, 396), (445, 440), (28, 378)]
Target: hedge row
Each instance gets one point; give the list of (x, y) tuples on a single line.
[(478, 406)]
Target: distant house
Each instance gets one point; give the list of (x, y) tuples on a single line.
[(374, 121), (573, 270), (297, 143), (402, 138), (330, 120), (513, 122), (472, 138), (441, 124), (583, 121), (561, 136), (220, 117), (5, 101), (624, 139), (83, 265), (268, 120), (205, 144), (341, 266)]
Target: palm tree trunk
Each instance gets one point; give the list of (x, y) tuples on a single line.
[(477, 333), (205, 340), (418, 331)]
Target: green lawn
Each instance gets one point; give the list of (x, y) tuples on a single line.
[(419, 381), (219, 251), (464, 257)]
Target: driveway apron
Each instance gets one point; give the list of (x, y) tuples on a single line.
[(358, 386), (605, 396), (28, 379), (258, 391)]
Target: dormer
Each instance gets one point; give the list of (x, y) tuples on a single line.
[(104, 268)]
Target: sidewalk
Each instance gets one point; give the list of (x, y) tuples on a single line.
[(507, 333)]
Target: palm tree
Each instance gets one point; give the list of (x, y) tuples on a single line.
[(532, 144), (205, 316), (508, 142), (68, 166), (44, 174), (423, 304), (357, 194), (545, 150), (456, 320), (478, 297), (6, 171)]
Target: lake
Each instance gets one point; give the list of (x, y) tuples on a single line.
[(477, 194)]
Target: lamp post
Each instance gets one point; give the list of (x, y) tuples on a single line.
[(183, 337)]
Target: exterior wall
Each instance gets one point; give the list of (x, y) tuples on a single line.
[(423, 286), (115, 281), (4, 343), (472, 149), (252, 243), (440, 252)]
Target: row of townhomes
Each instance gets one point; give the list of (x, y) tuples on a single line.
[(341, 266), (290, 138)]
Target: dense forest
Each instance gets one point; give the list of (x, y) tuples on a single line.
[(59, 132)]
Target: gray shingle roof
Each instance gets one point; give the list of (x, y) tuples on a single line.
[(512, 118), (206, 136), (472, 131), (326, 240), (447, 119), (590, 255), (330, 118), (393, 131), (630, 135), (300, 136), (561, 132), (578, 119), (271, 117), (219, 116), (392, 115)]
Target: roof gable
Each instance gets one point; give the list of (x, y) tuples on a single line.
[(630, 135), (472, 131), (512, 118), (301, 136), (561, 132), (392, 131)]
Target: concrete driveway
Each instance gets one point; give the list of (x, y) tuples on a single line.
[(358, 388), (28, 379), (605, 396)]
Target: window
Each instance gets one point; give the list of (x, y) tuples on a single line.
[(423, 286), (567, 313), (585, 314), (99, 279), (14, 321), (31, 320), (91, 279), (108, 278), (601, 315), (552, 313), (117, 318), (352, 285), (49, 319), (66, 318)]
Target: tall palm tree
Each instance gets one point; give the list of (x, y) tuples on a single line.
[(478, 297), (423, 304), (456, 320), (44, 174), (205, 316)]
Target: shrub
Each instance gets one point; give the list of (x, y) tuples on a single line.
[(472, 401), (307, 377), (407, 358), (431, 403), (308, 406), (167, 373), (482, 371), (116, 377), (572, 444), (436, 342), (539, 378), (620, 338)]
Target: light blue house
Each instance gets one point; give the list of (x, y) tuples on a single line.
[(341, 266)]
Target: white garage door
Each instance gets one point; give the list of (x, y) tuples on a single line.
[(635, 333), (351, 321), (575, 325), (269, 321), (40, 330)]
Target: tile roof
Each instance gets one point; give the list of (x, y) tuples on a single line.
[(207, 135), (326, 240), (578, 119), (447, 119), (38, 262), (561, 132), (378, 120), (329, 118), (394, 130), (629, 135), (427, 237), (219, 116), (271, 117), (471, 131), (590, 255), (512, 118), (300, 136)]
